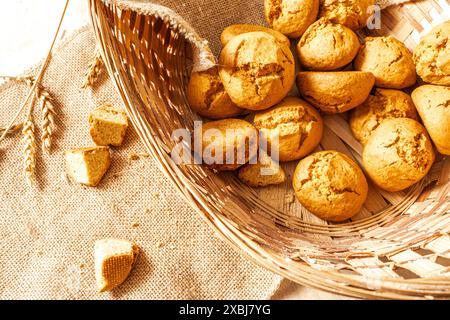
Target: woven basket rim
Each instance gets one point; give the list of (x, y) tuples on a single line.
[(241, 239)]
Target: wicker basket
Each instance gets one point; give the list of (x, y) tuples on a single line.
[(398, 246)]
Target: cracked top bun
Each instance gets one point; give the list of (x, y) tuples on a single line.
[(331, 185), (327, 46), (353, 14), (291, 17), (388, 60), (257, 71), (433, 104), (432, 55), (207, 97), (298, 125), (384, 104), (398, 154)]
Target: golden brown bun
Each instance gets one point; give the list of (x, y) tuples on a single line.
[(433, 104), (351, 13), (298, 125), (236, 29), (389, 60), (398, 154), (386, 103), (327, 46), (330, 185), (235, 134), (335, 92), (263, 173), (432, 56), (256, 71), (291, 17), (207, 97)]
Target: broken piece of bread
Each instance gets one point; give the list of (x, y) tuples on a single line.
[(108, 125), (263, 173), (88, 165), (114, 260)]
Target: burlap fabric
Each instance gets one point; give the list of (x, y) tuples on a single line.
[(48, 232)]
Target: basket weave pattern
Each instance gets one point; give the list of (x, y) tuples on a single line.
[(397, 247)]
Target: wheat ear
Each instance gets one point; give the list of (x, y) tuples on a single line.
[(48, 112), (29, 149), (46, 106), (94, 70), (48, 119)]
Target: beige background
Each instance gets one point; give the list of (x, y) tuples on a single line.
[(26, 27)]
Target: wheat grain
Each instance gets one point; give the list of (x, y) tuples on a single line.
[(29, 149), (94, 70)]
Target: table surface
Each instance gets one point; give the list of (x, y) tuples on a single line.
[(26, 31)]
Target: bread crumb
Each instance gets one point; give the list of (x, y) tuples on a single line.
[(135, 225), (136, 156), (133, 156), (65, 177), (155, 195)]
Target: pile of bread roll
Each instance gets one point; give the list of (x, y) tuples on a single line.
[(250, 87)]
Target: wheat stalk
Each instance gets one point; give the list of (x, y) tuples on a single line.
[(94, 70), (29, 149)]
